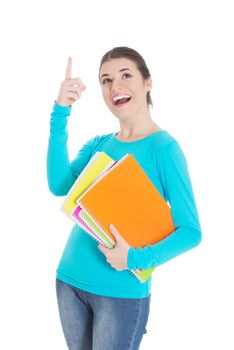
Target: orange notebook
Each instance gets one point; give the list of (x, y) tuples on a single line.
[(125, 197)]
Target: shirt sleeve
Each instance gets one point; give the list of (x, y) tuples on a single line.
[(61, 173), (176, 182)]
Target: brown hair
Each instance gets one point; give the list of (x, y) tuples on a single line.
[(127, 52)]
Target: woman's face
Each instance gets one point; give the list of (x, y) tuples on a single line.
[(123, 87)]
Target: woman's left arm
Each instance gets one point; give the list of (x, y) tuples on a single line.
[(176, 182)]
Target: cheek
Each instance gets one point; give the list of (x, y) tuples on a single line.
[(104, 93), (105, 96)]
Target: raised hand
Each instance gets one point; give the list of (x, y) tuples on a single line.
[(71, 89)]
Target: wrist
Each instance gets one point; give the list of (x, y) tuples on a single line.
[(61, 110), (140, 258), (60, 104), (131, 258)]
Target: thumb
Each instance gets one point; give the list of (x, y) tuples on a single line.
[(115, 233)]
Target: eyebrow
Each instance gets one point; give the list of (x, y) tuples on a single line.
[(121, 70)]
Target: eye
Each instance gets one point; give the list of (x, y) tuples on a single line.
[(104, 81), (127, 75)]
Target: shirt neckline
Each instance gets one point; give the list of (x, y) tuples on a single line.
[(143, 138)]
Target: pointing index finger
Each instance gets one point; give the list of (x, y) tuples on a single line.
[(69, 68)]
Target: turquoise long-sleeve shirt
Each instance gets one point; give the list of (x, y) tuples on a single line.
[(161, 157)]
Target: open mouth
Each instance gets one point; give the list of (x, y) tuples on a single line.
[(121, 100)]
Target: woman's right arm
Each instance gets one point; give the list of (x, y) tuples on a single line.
[(60, 173)]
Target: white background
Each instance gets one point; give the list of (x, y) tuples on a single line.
[(188, 46)]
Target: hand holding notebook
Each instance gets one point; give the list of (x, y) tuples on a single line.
[(117, 256)]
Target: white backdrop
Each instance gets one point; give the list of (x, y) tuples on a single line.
[(188, 46)]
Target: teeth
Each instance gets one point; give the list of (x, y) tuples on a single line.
[(116, 98)]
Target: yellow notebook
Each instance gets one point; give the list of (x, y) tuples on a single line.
[(98, 164)]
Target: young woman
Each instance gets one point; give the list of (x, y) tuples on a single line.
[(101, 305)]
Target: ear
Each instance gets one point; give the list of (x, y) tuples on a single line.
[(148, 84)]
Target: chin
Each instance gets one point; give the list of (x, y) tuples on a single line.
[(122, 113)]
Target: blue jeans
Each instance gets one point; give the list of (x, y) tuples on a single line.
[(95, 322)]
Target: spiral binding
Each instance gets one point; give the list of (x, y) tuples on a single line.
[(85, 227), (136, 275), (98, 223), (97, 239), (107, 239)]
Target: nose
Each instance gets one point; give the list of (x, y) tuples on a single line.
[(116, 85)]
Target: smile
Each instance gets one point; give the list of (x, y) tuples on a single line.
[(120, 100)]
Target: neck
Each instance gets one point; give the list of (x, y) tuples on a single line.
[(137, 125)]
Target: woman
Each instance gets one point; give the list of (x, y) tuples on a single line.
[(101, 305)]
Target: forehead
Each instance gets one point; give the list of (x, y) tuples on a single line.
[(115, 64)]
